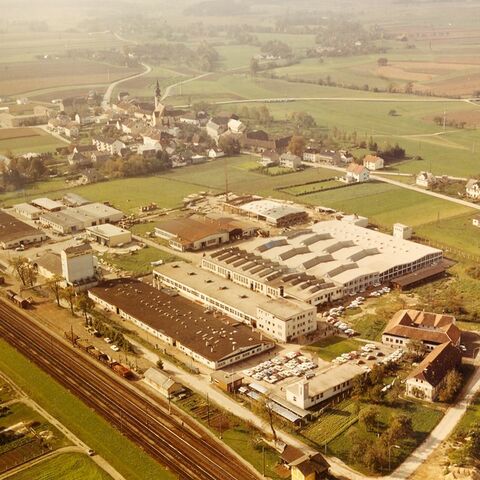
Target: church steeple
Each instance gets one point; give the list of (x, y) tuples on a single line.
[(158, 95)]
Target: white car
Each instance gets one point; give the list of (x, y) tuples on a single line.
[(107, 340), (463, 348), (115, 348)]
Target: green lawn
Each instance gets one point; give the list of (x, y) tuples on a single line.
[(39, 142), (68, 466), (139, 262), (472, 416), (339, 421), (331, 347), (122, 454)]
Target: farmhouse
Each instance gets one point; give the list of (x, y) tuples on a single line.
[(109, 235), (210, 339), (325, 386), (259, 140), (286, 320), (426, 179), (14, 233), (357, 174), (372, 162), (432, 329), (425, 381), (473, 189), (269, 158)]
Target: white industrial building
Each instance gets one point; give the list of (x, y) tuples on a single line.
[(109, 235), (290, 320), (324, 386), (27, 210), (78, 264), (345, 254)]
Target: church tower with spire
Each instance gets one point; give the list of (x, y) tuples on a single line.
[(158, 96)]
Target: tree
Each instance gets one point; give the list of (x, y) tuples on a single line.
[(401, 427), (160, 364), (68, 294), (24, 270), (416, 350), (369, 417), (54, 285), (297, 145), (85, 304), (451, 385), (229, 145), (264, 407), (254, 67), (382, 62), (303, 120)]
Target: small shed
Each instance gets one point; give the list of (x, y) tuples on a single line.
[(162, 382), (228, 382)]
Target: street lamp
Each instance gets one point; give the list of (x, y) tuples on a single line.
[(390, 455)]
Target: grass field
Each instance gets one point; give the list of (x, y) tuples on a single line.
[(140, 261), (69, 466), (24, 140), (122, 454), (332, 347)]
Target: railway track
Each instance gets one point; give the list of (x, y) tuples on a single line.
[(188, 452)]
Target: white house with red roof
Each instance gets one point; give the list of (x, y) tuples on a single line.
[(357, 173)]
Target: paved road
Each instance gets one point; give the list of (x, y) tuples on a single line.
[(112, 86), (169, 89)]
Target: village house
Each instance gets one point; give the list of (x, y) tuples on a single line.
[(112, 146), (476, 221), (236, 126), (259, 141), (304, 466), (426, 179), (269, 158), (425, 381), (373, 162), (357, 174), (214, 153), (79, 159), (216, 126), (289, 160), (473, 189)]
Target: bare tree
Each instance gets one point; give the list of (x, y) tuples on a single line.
[(24, 270), (68, 294), (264, 408), (54, 285)]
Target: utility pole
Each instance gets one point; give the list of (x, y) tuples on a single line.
[(226, 180), (208, 410), (444, 119)]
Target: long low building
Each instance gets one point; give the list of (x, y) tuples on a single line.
[(272, 212), (27, 210), (15, 233), (350, 256), (76, 219), (210, 339), (281, 319), (269, 277), (325, 386)]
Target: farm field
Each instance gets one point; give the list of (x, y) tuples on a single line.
[(122, 454), (71, 466), (29, 77), (300, 190), (24, 140)]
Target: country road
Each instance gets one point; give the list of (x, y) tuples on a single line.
[(108, 94)]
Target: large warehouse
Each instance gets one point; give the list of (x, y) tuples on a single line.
[(14, 233), (281, 319), (210, 339), (345, 254)]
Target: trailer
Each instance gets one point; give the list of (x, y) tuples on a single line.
[(120, 369)]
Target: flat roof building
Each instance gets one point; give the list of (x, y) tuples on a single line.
[(325, 386), (14, 232), (238, 302), (48, 204), (27, 210), (109, 235), (272, 212), (213, 340)]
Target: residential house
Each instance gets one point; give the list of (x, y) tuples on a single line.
[(269, 158), (112, 146), (162, 382), (259, 140), (431, 329), (216, 126), (426, 179), (304, 466), (426, 380), (373, 162), (79, 159), (357, 173), (214, 153), (476, 221), (473, 189), (236, 126), (289, 160)]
